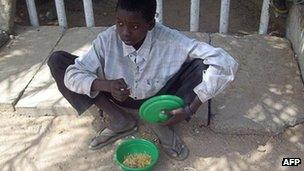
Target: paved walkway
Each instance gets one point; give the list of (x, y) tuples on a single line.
[(266, 97)]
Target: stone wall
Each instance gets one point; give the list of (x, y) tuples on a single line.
[(295, 32)]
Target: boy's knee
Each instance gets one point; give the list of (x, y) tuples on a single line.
[(55, 58)]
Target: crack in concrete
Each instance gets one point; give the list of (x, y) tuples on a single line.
[(62, 32), (209, 39)]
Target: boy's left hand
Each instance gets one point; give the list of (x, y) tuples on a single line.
[(178, 115)]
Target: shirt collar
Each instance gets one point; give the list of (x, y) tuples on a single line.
[(144, 49)]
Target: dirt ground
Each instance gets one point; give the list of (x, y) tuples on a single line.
[(61, 143), (244, 15)]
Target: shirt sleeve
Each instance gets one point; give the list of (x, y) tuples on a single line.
[(80, 76), (221, 71)]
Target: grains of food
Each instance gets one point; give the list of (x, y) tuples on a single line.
[(137, 160)]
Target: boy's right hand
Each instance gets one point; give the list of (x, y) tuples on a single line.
[(119, 89)]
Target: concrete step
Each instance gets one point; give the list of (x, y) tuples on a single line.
[(266, 96)]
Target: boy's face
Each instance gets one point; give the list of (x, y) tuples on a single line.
[(132, 27)]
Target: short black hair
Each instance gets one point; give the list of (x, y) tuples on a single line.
[(146, 7)]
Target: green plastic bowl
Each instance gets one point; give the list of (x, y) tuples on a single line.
[(132, 146), (152, 109)]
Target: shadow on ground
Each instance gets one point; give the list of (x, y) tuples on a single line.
[(60, 143)]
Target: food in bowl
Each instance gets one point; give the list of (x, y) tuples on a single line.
[(137, 160)]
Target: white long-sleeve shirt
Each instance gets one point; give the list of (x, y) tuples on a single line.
[(147, 69)]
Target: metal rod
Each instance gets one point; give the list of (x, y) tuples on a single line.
[(31, 7), (209, 112), (194, 15), (61, 13), (89, 14), (264, 21), (224, 18), (159, 11)]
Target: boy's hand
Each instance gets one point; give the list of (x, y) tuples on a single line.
[(178, 115), (119, 89)]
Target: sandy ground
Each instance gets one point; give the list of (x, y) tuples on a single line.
[(60, 143), (244, 15)]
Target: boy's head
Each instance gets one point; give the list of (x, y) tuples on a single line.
[(134, 18)]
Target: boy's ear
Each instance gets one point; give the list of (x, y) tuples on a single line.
[(151, 24)]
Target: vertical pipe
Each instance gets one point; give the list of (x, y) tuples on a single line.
[(61, 13), (264, 21), (194, 15), (89, 14), (159, 11), (31, 7), (224, 18)]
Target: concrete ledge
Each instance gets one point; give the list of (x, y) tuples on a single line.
[(267, 95), (21, 58), (42, 97), (295, 32)]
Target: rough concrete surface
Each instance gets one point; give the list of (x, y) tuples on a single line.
[(267, 94), (295, 32), (204, 37), (21, 58), (42, 97), (7, 14), (61, 143)]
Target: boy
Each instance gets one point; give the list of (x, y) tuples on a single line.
[(135, 60)]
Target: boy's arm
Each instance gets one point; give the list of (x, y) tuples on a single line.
[(221, 71), (80, 76)]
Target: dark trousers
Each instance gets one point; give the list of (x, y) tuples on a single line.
[(181, 84)]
